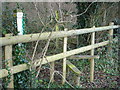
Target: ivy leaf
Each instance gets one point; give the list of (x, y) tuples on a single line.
[(4, 32)]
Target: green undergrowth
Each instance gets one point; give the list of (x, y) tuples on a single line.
[(106, 67)]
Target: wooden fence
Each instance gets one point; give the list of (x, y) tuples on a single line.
[(9, 40)]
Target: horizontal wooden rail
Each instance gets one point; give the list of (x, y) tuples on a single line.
[(14, 69), (83, 57), (70, 53), (22, 67), (34, 37)]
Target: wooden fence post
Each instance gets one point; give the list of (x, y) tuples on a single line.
[(9, 62), (110, 37), (1, 7), (77, 80), (57, 46), (52, 66), (92, 60), (64, 59)]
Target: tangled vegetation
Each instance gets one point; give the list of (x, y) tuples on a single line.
[(87, 15)]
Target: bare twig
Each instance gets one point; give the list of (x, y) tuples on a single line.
[(84, 11), (40, 32), (45, 50), (60, 73), (38, 13), (101, 15)]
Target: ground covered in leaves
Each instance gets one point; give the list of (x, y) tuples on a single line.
[(101, 80)]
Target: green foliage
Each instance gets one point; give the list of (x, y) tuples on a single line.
[(109, 60), (45, 84), (108, 64), (9, 21), (7, 79), (19, 51), (83, 21)]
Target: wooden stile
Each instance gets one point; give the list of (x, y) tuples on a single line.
[(76, 71), (9, 62), (73, 68)]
